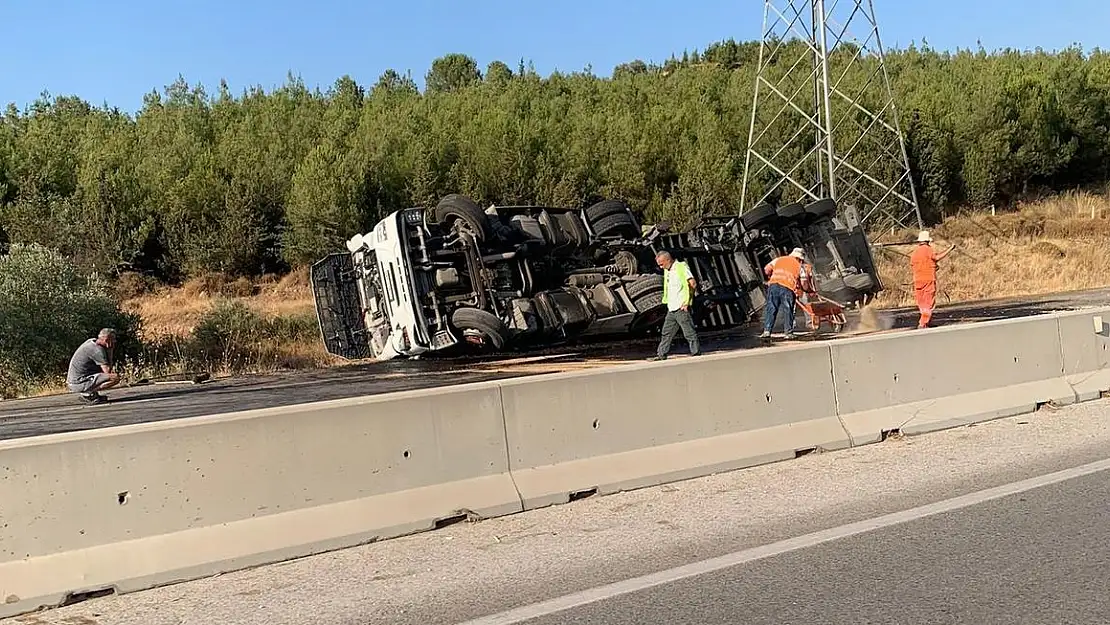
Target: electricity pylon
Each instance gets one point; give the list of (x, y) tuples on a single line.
[(824, 121)]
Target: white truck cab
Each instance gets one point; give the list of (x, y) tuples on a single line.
[(384, 277)]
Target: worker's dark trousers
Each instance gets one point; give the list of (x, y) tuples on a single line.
[(779, 297), (678, 319)]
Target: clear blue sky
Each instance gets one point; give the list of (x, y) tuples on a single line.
[(114, 51)]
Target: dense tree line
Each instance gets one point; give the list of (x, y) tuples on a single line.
[(266, 180)]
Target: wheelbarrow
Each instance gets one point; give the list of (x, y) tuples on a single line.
[(820, 309)]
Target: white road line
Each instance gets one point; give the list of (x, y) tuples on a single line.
[(609, 591)]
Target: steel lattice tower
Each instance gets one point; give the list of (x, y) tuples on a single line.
[(824, 121)]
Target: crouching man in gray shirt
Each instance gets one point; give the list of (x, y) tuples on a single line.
[(90, 369)]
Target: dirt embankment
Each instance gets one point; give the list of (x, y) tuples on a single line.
[(1062, 244)]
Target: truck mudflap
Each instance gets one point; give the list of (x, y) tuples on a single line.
[(338, 307)]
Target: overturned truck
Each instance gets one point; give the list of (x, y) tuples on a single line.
[(456, 277)]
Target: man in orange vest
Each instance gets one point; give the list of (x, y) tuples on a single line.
[(786, 276), (923, 262)]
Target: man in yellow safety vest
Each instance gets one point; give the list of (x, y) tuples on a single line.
[(678, 295)]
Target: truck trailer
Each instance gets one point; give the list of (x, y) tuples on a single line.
[(456, 278)]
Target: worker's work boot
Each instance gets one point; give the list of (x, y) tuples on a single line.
[(93, 398)]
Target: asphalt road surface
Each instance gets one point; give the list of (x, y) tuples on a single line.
[(1003, 522), (64, 413), (1036, 556)]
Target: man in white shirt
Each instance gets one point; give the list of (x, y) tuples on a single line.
[(678, 295)]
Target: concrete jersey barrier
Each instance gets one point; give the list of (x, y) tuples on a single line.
[(649, 423), (132, 507), (137, 506), (916, 382), (1085, 349)]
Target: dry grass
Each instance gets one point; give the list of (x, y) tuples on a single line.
[(1059, 244), (171, 314), (168, 311)]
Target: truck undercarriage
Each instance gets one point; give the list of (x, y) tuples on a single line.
[(454, 276)]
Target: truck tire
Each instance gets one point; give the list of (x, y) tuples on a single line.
[(759, 217), (620, 224), (603, 209), (861, 282), (791, 212), (650, 313), (822, 208), (458, 206), (487, 325), (649, 303), (645, 285), (646, 294)]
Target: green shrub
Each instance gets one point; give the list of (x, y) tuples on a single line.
[(293, 328), (233, 337), (228, 336), (47, 308)]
